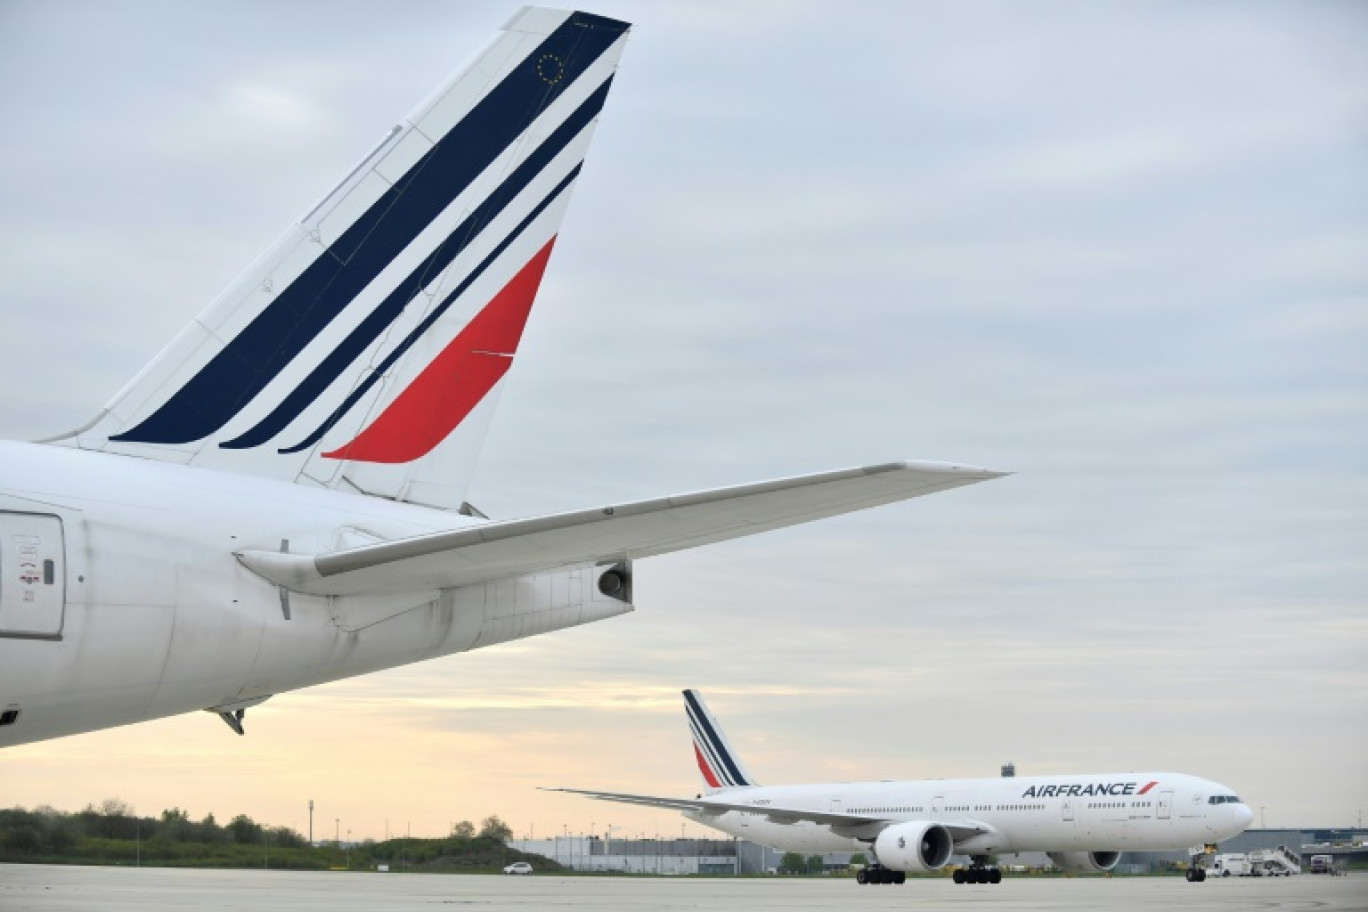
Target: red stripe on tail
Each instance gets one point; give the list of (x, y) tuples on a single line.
[(708, 776), (441, 397)]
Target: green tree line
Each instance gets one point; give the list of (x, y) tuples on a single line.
[(113, 834)]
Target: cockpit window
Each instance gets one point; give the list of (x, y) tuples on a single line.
[(1223, 799)]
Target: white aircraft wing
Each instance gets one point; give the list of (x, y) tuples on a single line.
[(859, 825), (717, 808), (498, 550)]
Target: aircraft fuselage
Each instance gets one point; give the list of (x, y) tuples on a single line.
[(1134, 811), (149, 613)]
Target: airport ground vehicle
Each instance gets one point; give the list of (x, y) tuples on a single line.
[(1233, 864), (518, 867), (1277, 862)]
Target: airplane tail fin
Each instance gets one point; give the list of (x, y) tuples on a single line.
[(366, 348), (717, 761)]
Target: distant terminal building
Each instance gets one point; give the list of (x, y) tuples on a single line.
[(648, 856)]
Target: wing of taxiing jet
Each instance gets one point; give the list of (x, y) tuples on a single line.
[(714, 807), (853, 823), (366, 349), (498, 550)]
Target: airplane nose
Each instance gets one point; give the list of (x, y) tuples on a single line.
[(1244, 816)]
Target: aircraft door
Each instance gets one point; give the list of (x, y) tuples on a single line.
[(1068, 807), (937, 807), (32, 576), (1165, 805)]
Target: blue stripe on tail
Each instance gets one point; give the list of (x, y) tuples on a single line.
[(238, 373), (372, 377), (712, 738), (390, 309)]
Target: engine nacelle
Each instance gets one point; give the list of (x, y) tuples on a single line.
[(916, 847), (1085, 862)]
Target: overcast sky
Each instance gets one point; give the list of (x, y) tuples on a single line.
[(1119, 249)]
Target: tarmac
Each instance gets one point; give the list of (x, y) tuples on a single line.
[(60, 888)]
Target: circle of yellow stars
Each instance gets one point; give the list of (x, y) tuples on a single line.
[(550, 69)]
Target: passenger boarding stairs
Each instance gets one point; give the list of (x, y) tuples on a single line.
[(1276, 862)]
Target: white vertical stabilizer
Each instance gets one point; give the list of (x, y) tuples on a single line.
[(365, 350)]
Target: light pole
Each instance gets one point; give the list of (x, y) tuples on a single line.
[(1263, 825), (311, 823), (337, 830), (348, 848)]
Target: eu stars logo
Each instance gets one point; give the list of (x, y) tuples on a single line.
[(550, 69)]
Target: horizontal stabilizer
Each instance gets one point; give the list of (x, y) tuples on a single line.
[(647, 528)]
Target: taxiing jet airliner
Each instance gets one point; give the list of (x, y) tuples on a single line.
[(278, 499), (1084, 822)]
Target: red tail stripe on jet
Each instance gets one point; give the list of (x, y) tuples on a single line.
[(712, 741), (456, 381), (708, 775)]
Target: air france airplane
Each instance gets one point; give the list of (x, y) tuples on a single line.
[(278, 499), (1084, 822)]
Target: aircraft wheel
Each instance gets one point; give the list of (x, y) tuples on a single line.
[(958, 876), (995, 876), (862, 877), (899, 877)]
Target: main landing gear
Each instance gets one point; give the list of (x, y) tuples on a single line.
[(1196, 875), (978, 872), (878, 874)]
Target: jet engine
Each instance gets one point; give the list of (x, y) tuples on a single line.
[(917, 847), (1085, 862)]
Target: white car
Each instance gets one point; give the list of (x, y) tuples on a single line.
[(518, 867)]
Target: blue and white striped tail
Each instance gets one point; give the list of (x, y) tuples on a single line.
[(717, 761), (366, 349)]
